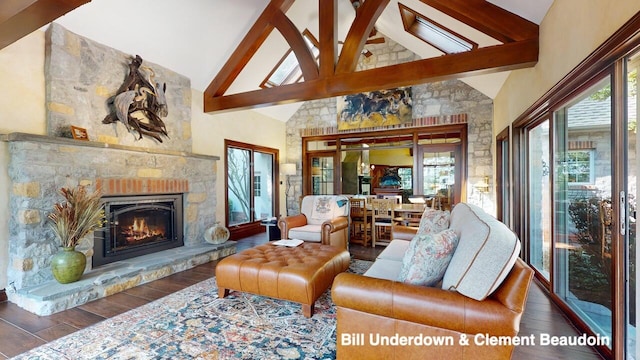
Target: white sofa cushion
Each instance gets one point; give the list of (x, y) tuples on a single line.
[(384, 269), (311, 233), (427, 258), (395, 250), (485, 254)]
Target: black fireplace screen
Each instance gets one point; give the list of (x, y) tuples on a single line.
[(138, 225)]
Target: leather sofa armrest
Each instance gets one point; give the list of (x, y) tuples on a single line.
[(400, 232), (288, 222), (429, 306), (333, 225)]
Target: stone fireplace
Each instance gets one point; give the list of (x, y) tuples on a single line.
[(133, 180), (160, 196)]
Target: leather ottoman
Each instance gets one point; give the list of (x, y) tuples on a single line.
[(299, 274)]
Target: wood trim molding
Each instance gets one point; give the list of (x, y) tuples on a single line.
[(19, 18), (520, 50)]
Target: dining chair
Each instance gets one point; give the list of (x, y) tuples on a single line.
[(360, 221), (382, 217), (396, 198)]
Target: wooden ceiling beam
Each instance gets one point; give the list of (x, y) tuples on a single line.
[(296, 41), (328, 37), (247, 48), (19, 18), (511, 56), (366, 17), (488, 18)]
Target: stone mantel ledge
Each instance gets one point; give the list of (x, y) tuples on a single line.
[(25, 137)]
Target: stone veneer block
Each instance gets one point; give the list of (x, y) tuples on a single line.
[(31, 190)]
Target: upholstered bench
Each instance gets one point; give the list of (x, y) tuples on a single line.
[(299, 274)]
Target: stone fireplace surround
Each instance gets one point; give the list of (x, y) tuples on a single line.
[(40, 165)]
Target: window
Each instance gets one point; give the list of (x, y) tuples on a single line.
[(288, 71), (406, 178), (579, 167), (251, 195), (434, 34), (257, 185)]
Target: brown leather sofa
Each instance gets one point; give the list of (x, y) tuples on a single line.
[(371, 310)]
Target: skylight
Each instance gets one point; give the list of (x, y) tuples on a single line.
[(288, 71), (434, 34)]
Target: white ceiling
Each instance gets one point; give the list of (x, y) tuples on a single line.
[(196, 37)]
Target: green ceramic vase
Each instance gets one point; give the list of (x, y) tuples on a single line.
[(68, 265)]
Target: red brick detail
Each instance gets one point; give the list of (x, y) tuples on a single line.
[(129, 186)]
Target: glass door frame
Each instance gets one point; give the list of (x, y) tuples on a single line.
[(456, 149), (307, 169)]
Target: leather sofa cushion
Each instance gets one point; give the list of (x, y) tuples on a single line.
[(485, 254), (312, 233)]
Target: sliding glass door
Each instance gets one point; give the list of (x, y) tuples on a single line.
[(583, 206)]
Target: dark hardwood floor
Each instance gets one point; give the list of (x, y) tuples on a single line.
[(21, 331)]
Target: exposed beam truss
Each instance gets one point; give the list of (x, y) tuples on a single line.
[(337, 76)]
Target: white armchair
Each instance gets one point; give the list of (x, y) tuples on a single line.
[(322, 218)]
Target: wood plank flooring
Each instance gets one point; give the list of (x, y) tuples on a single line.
[(21, 331)]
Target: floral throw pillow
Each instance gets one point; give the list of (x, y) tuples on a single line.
[(434, 221), (427, 258)]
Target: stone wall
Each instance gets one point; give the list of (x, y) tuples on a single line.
[(41, 165), (433, 99), (81, 75)]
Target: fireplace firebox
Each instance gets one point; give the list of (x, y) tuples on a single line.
[(138, 225)]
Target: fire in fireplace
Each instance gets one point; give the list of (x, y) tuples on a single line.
[(138, 225)]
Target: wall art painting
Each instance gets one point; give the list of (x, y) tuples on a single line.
[(373, 109)]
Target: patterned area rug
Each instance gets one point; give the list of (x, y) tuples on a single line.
[(194, 324)]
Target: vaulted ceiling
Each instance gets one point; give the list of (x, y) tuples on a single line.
[(227, 48)]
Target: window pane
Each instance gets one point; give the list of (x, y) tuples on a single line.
[(584, 213), (239, 186), (539, 198), (322, 175), (439, 176), (263, 185)]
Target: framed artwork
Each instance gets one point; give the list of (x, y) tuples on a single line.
[(79, 133), (375, 109)]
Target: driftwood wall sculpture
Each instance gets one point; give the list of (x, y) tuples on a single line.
[(140, 103)]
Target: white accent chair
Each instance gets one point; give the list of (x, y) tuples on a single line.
[(322, 218)]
